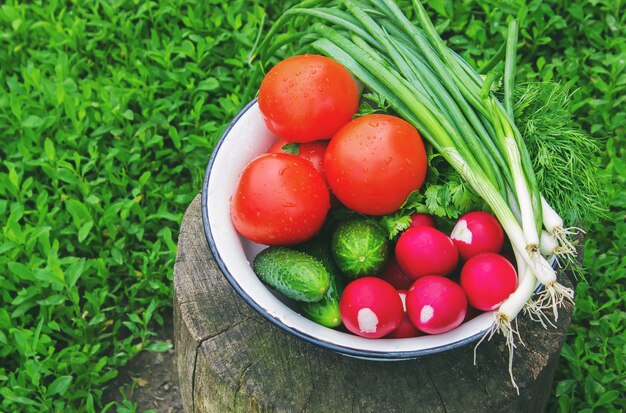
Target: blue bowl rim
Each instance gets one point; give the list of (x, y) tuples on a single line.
[(372, 355)]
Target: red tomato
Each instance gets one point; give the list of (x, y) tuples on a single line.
[(307, 98), (311, 151), (280, 200), (374, 162)]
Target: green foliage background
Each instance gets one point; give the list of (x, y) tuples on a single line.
[(109, 110)]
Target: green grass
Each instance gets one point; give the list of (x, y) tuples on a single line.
[(109, 111)]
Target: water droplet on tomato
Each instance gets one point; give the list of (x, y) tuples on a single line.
[(282, 170), (373, 124), (299, 72), (285, 78), (288, 204), (313, 71), (388, 160)]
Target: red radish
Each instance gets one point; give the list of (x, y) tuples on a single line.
[(406, 328), (370, 307), (426, 250), (422, 220), (393, 274), (488, 279), (436, 304), (477, 232)]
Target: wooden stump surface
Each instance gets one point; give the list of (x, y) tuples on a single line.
[(232, 359)]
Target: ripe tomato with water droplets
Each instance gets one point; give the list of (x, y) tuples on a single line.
[(374, 162), (308, 97), (311, 151), (280, 199)]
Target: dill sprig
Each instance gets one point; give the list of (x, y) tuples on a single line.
[(565, 159)]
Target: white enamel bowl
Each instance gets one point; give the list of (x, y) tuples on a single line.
[(244, 139)]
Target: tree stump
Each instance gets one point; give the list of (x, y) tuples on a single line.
[(231, 359)]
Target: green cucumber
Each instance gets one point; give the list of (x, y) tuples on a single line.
[(359, 247), (325, 311), (296, 275)]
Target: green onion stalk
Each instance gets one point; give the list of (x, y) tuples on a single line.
[(454, 108)]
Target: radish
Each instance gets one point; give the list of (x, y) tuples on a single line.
[(370, 307), (477, 232), (393, 274), (426, 250), (406, 328), (488, 279), (436, 304), (422, 220)]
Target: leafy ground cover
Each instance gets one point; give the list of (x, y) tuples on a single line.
[(109, 111)]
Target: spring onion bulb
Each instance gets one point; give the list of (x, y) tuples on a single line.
[(556, 228), (548, 245)]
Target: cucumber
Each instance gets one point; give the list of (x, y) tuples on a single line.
[(295, 274), (326, 311), (359, 247)]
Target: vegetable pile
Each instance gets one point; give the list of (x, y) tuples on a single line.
[(382, 206)]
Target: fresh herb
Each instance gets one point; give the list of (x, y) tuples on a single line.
[(372, 102), (565, 158)]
